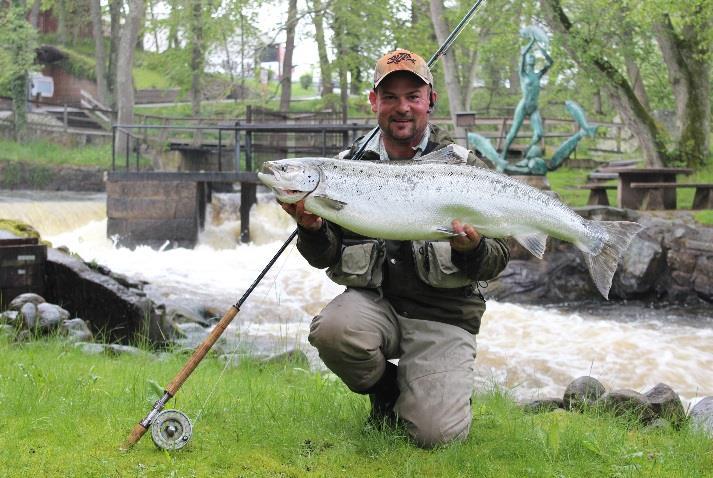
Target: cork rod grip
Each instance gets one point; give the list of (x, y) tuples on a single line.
[(201, 351), (134, 437)]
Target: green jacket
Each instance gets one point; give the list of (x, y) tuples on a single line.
[(401, 285)]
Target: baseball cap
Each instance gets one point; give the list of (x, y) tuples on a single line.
[(402, 60)]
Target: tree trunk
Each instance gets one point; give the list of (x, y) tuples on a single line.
[(325, 69), (339, 45), (61, 11), (689, 75), (632, 69), (35, 14), (286, 80), (100, 55), (125, 62), (115, 31), (197, 56), (450, 68), (635, 116)]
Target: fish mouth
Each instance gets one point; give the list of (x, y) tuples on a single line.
[(286, 195)]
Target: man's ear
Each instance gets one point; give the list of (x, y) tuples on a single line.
[(432, 101), (372, 100)]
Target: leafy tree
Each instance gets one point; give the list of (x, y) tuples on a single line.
[(18, 40), (612, 43)]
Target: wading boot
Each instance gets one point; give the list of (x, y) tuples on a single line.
[(383, 395)]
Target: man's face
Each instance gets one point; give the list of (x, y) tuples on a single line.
[(401, 105)]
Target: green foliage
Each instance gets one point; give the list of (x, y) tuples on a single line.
[(306, 80), (79, 65), (282, 420)]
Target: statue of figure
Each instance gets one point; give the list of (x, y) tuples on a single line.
[(534, 164), (530, 85)]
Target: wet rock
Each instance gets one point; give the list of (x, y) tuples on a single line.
[(50, 316), (109, 349), (582, 392), (29, 315), (639, 267), (183, 315), (543, 405), (10, 317), (627, 402), (290, 357), (22, 299), (76, 330), (109, 306), (666, 403), (702, 416), (90, 348)]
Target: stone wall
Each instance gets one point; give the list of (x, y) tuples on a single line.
[(154, 212)]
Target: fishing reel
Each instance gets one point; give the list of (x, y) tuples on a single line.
[(171, 430)]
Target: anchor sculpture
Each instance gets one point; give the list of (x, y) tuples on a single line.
[(533, 164)]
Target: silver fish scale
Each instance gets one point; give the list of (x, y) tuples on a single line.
[(409, 200)]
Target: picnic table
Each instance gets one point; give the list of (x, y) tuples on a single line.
[(647, 188)]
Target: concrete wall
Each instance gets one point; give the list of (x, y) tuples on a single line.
[(153, 212)]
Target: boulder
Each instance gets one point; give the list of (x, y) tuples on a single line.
[(22, 299), (50, 316), (582, 392), (666, 404), (543, 405), (627, 402), (290, 357), (109, 349), (29, 315), (76, 330), (121, 312), (10, 317), (702, 416)]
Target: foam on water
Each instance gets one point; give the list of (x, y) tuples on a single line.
[(532, 351)]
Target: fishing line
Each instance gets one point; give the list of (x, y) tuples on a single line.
[(231, 354)]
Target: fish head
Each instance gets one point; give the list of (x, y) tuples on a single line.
[(291, 179)]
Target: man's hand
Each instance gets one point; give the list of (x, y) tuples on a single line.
[(304, 218), (468, 239)]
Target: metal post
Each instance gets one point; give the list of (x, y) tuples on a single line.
[(237, 148), (324, 142), (65, 119), (127, 150), (138, 146), (113, 147), (249, 150), (220, 149)]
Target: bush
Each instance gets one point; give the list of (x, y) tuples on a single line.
[(306, 80)]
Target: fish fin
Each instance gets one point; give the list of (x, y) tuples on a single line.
[(534, 242), (447, 230), (602, 265), (451, 154), (329, 202)]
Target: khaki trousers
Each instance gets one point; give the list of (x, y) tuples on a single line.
[(359, 330)]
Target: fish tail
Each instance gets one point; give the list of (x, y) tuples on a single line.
[(611, 239)]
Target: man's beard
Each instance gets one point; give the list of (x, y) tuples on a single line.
[(402, 132)]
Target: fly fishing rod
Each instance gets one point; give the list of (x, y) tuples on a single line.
[(171, 429)]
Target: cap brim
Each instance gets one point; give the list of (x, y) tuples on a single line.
[(407, 71)]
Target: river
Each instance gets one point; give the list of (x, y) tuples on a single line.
[(531, 351)]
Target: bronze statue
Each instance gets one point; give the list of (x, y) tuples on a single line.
[(533, 164)]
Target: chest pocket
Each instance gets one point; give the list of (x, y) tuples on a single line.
[(360, 265), (434, 265)]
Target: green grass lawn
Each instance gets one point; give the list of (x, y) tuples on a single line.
[(65, 414), (52, 154)]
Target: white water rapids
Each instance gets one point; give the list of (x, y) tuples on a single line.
[(531, 351)]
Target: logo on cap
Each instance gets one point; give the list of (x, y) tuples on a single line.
[(399, 57)]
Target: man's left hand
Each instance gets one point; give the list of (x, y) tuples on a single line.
[(468, 238)]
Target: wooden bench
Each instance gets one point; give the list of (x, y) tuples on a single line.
[(596, 176), (598, 193), (653, 199)]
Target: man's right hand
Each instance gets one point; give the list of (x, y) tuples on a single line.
[(304, 218)]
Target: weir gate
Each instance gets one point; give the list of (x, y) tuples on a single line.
[(162, 202)]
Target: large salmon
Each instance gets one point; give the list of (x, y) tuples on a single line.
[(417, 200)]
